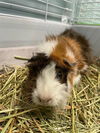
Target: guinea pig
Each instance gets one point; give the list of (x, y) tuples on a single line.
[(57, 66)]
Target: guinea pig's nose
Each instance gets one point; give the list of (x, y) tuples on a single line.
[(44, 100)]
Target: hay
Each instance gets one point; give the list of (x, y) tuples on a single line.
[(82, 113)]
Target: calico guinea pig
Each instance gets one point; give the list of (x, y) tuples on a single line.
[(57, 66)]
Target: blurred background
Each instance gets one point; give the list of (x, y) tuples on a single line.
[(25, 23)]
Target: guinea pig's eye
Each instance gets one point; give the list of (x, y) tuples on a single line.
[(69, 64), (66, 63), (59, 75)]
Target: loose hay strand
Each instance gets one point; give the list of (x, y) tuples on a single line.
[(6, 126), (37, 124), (21, 58), (81, 115)]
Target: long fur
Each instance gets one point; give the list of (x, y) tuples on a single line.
[(83, 42), (57, 67), (49, 91)]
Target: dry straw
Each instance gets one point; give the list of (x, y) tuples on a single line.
[(81, 115)]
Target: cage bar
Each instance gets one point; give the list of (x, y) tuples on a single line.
[(57, 14), (65, 11)]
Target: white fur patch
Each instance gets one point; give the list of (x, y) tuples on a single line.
[(48, 87), (77, 79), (47, 47), (70, 53), (84, 68)]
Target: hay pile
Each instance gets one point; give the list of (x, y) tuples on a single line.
[(82, 113)]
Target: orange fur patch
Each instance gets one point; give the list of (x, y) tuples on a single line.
[(69, 50)]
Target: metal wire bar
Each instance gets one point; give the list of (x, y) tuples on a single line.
[(21, 7), (87, 18), (89, 9), (68, 1), (90, 2), (63, 0), (62, 14), (73, 12), (20, 16), (67, 9), (46, 14), (87, 12)]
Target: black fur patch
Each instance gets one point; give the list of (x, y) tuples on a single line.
[(61, 74), (37, 63)]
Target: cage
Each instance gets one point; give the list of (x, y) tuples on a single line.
[(23, 25), (27, 22)]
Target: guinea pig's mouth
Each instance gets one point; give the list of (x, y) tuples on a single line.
[(44, 105)]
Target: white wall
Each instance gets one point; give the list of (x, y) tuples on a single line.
[(19, 37), (24, 31)]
